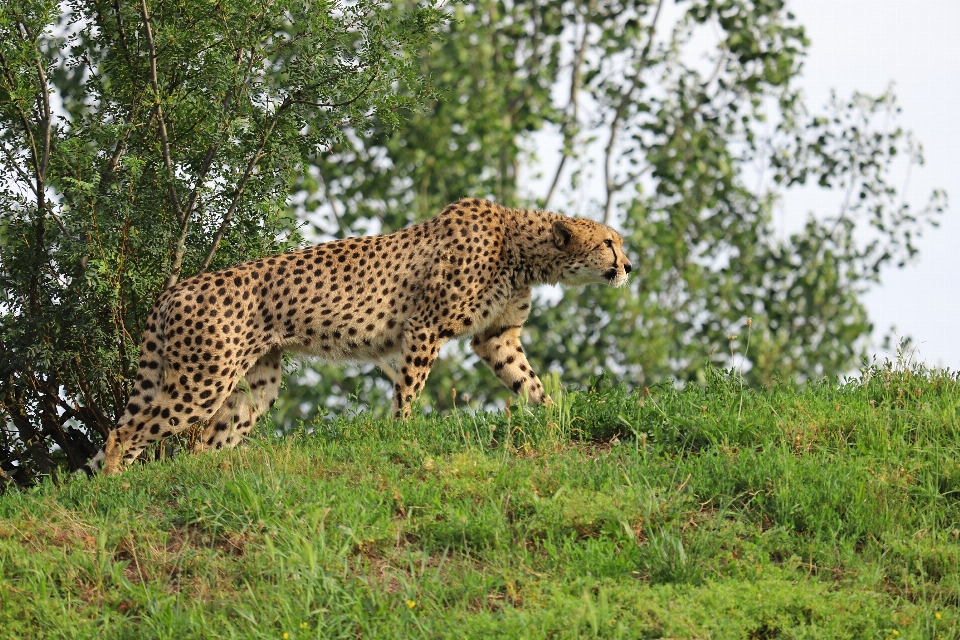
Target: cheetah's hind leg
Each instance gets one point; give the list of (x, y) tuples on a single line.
[(142, 425), (253, 396)]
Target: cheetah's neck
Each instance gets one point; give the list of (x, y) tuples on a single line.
[(529, 247)]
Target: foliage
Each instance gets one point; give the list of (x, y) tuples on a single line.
[(681, 125), (144, 142), (716, 510)]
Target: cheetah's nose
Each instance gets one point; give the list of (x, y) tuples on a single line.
[(627, 267)]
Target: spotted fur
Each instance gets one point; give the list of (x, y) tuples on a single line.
[(212, 347)]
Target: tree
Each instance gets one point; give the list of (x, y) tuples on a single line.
[(688, 147), (148, 141)]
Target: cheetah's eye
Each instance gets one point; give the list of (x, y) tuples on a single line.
[(608, 242)]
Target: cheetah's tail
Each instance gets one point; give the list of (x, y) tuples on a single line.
[(149, 379)]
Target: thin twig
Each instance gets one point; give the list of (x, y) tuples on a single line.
[(854, 178), (12, 162), (336, 105)]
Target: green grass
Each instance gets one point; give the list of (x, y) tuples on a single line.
[(825, 511)]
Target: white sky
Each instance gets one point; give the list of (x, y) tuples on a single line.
[(864, 45)]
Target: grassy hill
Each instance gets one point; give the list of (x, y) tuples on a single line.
[(827, 511)]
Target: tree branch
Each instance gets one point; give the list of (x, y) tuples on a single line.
[(570, 131), (333, 205), (228, 216), (625, 99), (34, 154), (46, 122), (120, 147), (158, 110), (102, 423), (204, 168), (177, 264), (183, 217)]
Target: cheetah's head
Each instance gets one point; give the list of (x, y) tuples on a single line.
[(594, 252)]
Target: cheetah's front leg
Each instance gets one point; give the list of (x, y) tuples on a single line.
[(499, 346), (419, 347)]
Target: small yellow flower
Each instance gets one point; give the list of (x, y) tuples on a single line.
[(895, 633), (303, 625), (411, 603), (937, 616), (286, 635)]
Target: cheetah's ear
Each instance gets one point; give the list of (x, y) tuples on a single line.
[(562, 234)]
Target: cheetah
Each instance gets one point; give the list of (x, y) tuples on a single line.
[(212, 346)]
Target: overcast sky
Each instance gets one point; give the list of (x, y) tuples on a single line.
[(864, 45)]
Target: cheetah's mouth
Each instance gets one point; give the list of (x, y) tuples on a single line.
[(615, 278)]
